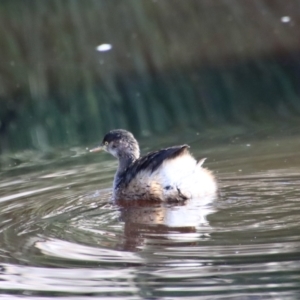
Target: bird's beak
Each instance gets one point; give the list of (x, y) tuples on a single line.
[(97, 149)]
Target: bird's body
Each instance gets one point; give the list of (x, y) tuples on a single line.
[(170, 174)]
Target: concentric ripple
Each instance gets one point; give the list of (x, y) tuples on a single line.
[(61, 236)]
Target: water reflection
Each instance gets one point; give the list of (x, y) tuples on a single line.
[(165, 224)]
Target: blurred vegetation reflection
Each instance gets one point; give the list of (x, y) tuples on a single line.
[(172, 64)]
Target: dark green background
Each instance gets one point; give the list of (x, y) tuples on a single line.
[(174, 64)]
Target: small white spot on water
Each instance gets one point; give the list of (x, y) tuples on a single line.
[(285, 19), (104, 47)]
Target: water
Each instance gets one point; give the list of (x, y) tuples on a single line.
[(61, 237)]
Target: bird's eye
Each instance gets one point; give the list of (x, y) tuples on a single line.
[(106, 143)]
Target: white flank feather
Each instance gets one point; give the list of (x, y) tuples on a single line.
[(181, 175)]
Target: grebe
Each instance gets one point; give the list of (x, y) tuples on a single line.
[(170, 174)]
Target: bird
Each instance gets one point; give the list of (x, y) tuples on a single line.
[(169, 174)]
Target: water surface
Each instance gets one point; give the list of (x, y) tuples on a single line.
[(61, 236)]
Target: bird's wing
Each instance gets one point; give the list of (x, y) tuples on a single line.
[(152, 161)]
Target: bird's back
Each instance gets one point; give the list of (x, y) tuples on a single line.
[(167, 174)]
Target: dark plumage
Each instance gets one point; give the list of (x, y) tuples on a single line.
[(150, 162)]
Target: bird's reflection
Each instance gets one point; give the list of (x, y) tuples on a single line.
[(163, 224)]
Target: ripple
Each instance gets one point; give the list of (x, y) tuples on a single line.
[(60, 235), (75, 281), (73, 251)]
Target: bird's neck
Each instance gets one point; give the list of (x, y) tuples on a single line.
[(124, 162)]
